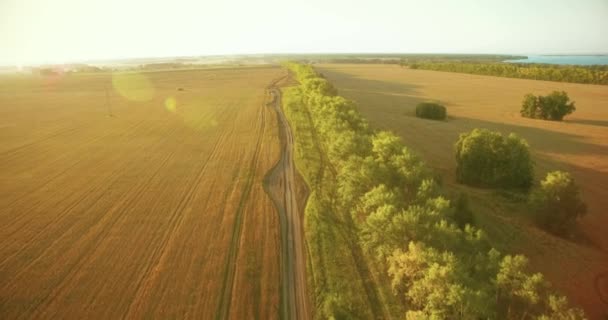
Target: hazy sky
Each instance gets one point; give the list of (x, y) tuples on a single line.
[(41, 31)]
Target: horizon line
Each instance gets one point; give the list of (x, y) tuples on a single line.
[(378, 53)]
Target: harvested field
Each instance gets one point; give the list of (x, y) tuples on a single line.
[(131, 196), (387, 96)]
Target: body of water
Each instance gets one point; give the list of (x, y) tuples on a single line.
[(573, 60)]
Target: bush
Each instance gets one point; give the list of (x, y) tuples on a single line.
[(557, 204), (487, 159), (552, 107), (430, 110), (462, 213)]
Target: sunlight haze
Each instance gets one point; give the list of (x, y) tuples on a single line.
[(36, 31), (304, 160)]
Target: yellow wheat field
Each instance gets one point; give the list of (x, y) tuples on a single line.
[(128, 195)]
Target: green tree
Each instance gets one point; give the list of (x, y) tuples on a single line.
[(430, 110), (436, 285), (558, 309), (357, 176), (557, 204), (485, 158), (530, 107), (320, 86), (378, 196), (385, 145), (551, 107), (518, 292), (377, 235)]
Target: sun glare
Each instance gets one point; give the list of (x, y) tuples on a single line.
[(133, 86), (171, 104)]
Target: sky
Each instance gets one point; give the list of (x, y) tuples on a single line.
[(60, 31)]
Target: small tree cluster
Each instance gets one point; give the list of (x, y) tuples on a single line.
[(430, 110), (557, 204), (551, 107), (488, 159)]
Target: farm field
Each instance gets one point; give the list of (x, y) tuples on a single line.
[(387, 96), (138, 196)]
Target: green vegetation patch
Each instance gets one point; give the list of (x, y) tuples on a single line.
[(488, 159), (550, 107), (557, 203), (576, 74), (376, 219), (430, 110)]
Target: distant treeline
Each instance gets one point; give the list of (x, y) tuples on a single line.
[(566, 73), (68, 68), (395, 58), (473, 58), (362, 60), (168, 65)]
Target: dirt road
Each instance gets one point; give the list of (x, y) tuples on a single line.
[(282, 189)]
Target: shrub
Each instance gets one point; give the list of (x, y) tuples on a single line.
[(462, 213), (551, 107), (557, 204), (487, 159), (430, 110)]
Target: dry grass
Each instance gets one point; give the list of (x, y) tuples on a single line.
[(133, 215), (387, 96)]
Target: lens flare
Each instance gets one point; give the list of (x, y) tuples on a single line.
[(133, 86), (171, 104)]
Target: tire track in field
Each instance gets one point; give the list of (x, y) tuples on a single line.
[(57, 221), (127, 200), (223, 309), (150, 276), (80, 160), (15, 150), (97, 231), (73, 204)]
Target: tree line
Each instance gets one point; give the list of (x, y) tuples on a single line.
[(576, 74), (437, 263)]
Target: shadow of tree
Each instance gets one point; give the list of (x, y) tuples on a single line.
[(395, 96), (599, 123), (391, 105), (539, 139)]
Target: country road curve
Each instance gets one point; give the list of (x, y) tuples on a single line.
[(281, 185)]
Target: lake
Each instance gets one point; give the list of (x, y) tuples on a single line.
[(574, 60)]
